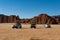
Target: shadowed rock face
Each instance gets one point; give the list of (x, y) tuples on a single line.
[(44, 19), (40, 19), (8, 19), (57, 18)]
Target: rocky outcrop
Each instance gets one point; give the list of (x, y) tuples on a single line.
[(8, 19), (25, 20), (57, 18), (40, 19), (44, 19)]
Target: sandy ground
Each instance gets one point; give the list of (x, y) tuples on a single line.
[(26, 33)]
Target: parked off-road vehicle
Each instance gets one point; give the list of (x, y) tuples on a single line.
[(47, 26), (33, 25), (17, 25)]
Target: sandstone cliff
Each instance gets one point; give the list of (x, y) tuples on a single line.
[(40, 19), (8, 19)]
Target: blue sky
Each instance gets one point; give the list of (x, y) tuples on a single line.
[(29, 8)]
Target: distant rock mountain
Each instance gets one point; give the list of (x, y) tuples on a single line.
[(8, 19), (57, 18), (40, 19), (44, 19)]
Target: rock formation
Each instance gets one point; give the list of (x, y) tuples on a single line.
[(8, 19), (44, 19), (57, 18), (40, 19)]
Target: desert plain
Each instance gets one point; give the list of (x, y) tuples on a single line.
[(26, 33)]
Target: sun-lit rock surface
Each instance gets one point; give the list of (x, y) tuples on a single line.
[(40, 19)]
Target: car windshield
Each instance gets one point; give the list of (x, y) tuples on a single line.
[(17, 24), (33, 23)]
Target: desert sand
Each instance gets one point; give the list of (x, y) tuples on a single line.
[(26, 33)]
